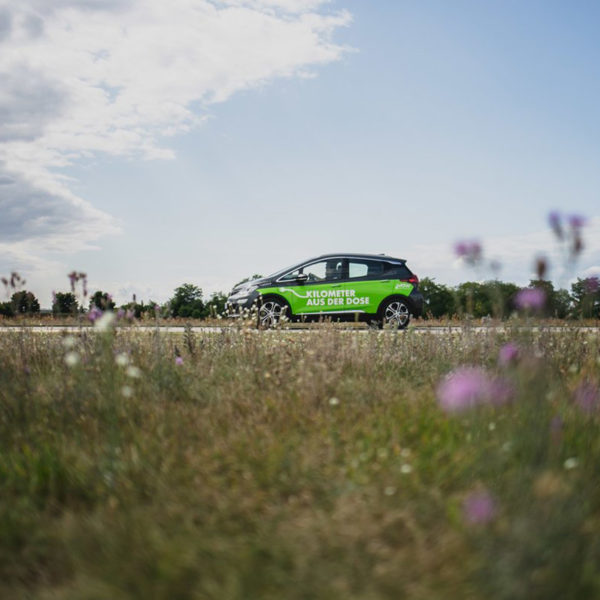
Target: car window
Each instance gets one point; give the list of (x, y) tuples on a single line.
[(365, 268), (292, 275), (316, 271)]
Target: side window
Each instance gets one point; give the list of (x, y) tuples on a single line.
[(316, 271), (291, 276), (365, 268)]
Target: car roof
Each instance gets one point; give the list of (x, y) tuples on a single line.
[(363, 256)]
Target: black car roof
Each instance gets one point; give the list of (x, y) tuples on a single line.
[(355, 255)]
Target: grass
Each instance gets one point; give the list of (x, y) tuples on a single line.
[(298, 465)]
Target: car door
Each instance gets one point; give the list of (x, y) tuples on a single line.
[(314, 288), (366, 285)]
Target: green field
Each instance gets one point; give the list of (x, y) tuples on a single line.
[(296, 465)]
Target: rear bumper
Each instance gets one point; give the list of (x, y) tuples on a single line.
[(416, 299)]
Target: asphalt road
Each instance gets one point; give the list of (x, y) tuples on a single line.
[(212, 330)]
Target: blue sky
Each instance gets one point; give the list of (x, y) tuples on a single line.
[(403, 128)]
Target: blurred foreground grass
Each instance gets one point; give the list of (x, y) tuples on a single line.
[(318, 464)]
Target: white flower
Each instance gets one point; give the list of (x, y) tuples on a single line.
[(405, 469), (389, 491), (127, 391), (104, 322), (133, 372), (122, 359), (571, 463), (333, 401), (71, 359)]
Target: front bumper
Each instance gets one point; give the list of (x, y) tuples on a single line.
[(237, 305)]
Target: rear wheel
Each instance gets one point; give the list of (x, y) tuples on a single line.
[(271, 312), (394, 314)]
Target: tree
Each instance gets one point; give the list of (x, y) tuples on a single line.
[(187, 302), (439, 299), (64, 303), (102, 300), (25, 303), (473, 299), (6, 309), (216, 305), (585, 294), (557, 301)]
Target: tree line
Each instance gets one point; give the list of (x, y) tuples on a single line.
[(475, 299)]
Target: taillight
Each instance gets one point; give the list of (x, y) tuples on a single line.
[(412, 279)]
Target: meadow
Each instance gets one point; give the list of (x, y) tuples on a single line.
[(325, 464)]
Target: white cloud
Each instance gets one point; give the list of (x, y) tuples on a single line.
[(82, 77)]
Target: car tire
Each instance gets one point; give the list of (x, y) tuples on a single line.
[(394, 313), (271, 311)]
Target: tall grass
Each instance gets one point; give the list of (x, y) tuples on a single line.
[(307, 464)]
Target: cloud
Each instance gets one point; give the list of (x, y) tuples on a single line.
[(119, 77)]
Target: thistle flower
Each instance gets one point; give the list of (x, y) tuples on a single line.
[(94, 313), (470, 251), (587, 397), (508, 354), (479, 508), (576, 221), (555, 221), (530, 298), (591, 284), (179, 360), (467, 387)]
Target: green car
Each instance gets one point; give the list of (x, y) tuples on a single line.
[(378, 289)]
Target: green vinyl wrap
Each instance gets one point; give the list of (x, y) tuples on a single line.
[(345, 296)]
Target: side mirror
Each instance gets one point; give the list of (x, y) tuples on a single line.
[(302, 277)]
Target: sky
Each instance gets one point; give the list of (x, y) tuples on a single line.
[(150, 143)]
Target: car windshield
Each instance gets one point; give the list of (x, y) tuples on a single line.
[(281, 272)]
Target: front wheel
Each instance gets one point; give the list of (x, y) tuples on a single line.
[(394, 314), (271, 312)]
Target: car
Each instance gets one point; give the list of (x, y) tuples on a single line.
[(375, 288)]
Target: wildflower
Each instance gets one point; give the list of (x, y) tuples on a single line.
[(576, 221), (541, 266), (71, 359), (405, 469), (479, 508), (389, 490), (127, 391), (467, 387), (571, 463), (508, 354), (554, 219), (122, 359), (179, 360), (333, 401), (587, 397), (94, 313), (120, 314), (104, 322), (530, 298), (470, 251), (133, 372)]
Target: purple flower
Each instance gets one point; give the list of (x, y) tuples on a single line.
[(555, 220), (530, 298), (576, 221), (479, 508), (508, 354), (469, 250), (467, 387), (591, 284), (130, 315), (179, 360), (120, 313), (94, 314), (587, 397)]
